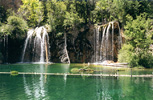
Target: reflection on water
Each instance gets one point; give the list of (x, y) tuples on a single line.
[(37, 85), (33, 87), (65, 69), (47, 87)]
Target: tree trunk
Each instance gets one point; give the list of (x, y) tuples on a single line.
[(65, 48)]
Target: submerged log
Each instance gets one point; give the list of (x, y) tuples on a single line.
[(70, 74)]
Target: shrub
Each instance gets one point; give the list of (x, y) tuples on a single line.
[(142, 58), (4, 30), (146, 60), (126, 55), (138, 34)]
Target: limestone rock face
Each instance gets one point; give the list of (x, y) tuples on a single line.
[(8, 4)]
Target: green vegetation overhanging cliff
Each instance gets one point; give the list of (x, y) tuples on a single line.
[(76, 18)]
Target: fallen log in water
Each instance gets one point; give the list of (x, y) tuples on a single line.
[(124, 65), (70, 74)]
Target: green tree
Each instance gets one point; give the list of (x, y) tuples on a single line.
[(32, 10), (138, 34), (118, 10), (16, 27), (56, 13), (71, 20), (102, 9)]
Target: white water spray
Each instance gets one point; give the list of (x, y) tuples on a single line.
[(97, 43), (37, 39), (102, 44), (108, 41)]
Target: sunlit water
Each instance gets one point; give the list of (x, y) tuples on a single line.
[(66, 68), (47, 87)]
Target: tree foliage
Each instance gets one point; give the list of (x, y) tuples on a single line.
[(64, 16), (56, 13), (71, 16), (32, 10), (138, 34), (127, 55), (16, 27), (109, 10)]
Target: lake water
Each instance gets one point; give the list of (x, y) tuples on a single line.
[(48, 87)]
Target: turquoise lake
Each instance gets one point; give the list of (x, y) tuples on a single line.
[(48, 87)]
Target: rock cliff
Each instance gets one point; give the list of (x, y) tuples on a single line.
[(11, 4)]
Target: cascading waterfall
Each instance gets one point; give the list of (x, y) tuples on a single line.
[(29, 35), (107, 41), (36, 45), (111, 41), (97, 43), (102, 44)]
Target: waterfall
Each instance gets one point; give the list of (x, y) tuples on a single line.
[(94, 45), (102, 45), (111, 41), (120, 37), (97, 43), (107, 41), (29, 35), (37, 42)]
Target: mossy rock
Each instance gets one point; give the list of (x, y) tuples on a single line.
[(14, 73), (75, 70), (87, 70)]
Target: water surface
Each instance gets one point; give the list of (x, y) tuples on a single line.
[(47, 87), (66, 68)]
